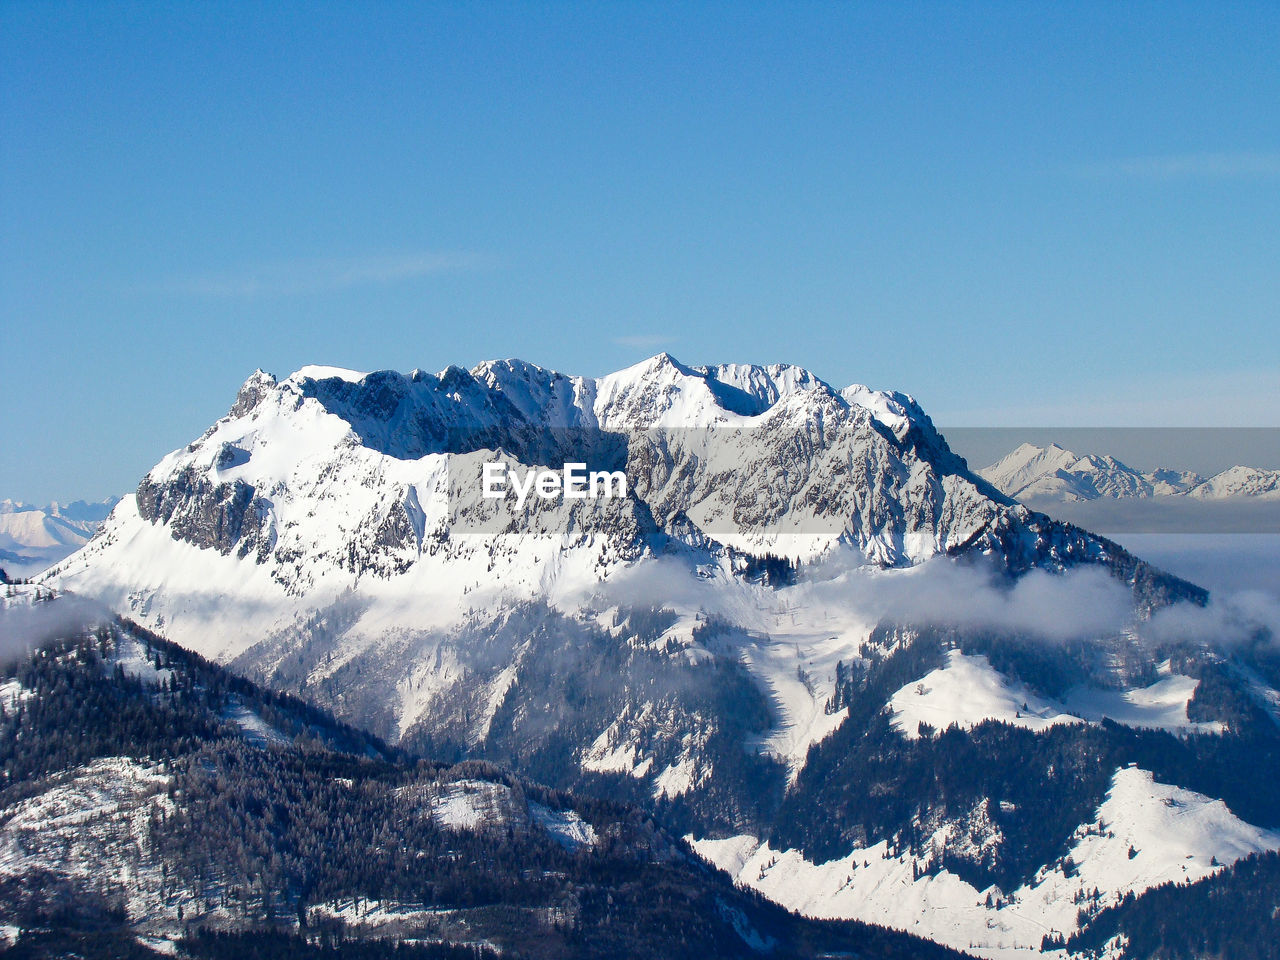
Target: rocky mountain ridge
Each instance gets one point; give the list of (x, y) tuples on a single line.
[(337, 474)]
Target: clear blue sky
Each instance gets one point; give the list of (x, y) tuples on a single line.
[(1020, 213)]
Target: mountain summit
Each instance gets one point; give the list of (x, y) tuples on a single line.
[(332, 480)]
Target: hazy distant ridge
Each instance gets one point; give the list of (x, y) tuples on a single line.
[(35, 537), (1055, 473)]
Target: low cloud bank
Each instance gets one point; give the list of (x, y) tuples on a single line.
[(1227, 621), (1078, 603), (26, 626)]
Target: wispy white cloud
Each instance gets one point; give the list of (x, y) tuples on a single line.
[(324, 275), (644, 341), (22, 628), (1081, 602), (1232, 619), (1185, 166)]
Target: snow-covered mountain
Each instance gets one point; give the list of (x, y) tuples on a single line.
[(1142, 827), (1239, 482), (735, 645), (1055, 474), (331, 481), (33, 538)]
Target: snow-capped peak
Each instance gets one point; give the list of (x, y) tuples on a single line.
[(1054, 473), (315, 484), (316, 371), (1239, 481)]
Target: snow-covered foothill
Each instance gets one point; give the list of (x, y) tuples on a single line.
[(968, 690), (1144, 833)]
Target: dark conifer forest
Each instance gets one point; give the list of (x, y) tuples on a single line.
[(298, 836)]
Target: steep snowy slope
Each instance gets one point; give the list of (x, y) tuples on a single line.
[(313, 487)]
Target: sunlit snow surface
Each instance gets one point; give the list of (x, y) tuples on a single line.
[(316, 371), (611, 753), (968, 690), (472, 805), (1176, 835), (131, 656), (12, 693), (565, 826)]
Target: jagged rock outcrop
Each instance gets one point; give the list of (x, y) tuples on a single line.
[(766, 460)]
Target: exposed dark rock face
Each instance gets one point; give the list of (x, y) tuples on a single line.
[(225, 517), (255, 389), (1051, 544)]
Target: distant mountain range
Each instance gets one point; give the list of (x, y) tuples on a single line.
[(32, 538), (1055, 474)]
